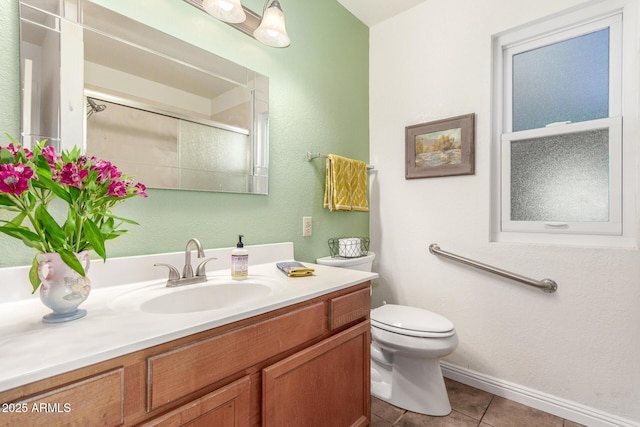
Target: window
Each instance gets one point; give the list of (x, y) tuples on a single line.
[(558, 133)]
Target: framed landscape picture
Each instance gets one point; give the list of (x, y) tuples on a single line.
[(440, 148)]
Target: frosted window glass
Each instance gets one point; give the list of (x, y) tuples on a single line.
[(564, 81), (561, 178)]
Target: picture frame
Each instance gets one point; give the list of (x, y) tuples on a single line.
[(440, 148)]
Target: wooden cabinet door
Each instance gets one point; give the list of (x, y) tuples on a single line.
[(225, 407), (327, 384)]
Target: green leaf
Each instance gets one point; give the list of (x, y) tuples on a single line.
[(57, 189), (27, 236), (128, 221), (33, 275), (114, 234), (6, 156), (107, 226), (17, 221), (69, 228), (71, 260), (11, 138), (51, 227), (4, 201), (75, 193), (94, 236), (41, 163), (32, 198)]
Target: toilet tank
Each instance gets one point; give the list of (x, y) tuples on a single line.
[(363, 263)]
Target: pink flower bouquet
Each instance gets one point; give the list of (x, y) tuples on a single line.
[(31, 179)]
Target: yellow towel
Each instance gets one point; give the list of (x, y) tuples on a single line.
[(295, 269), (338, 183), (359, 180), (346, 184)]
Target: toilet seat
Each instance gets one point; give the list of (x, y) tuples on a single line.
[(411, 321)]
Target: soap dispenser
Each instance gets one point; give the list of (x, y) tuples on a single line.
[(239, 261)]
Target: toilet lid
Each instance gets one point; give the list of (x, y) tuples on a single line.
[(410, 321)]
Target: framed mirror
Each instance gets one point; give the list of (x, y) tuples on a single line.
[(170, 113)]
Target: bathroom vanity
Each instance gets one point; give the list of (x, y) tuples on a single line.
[(299, 356)]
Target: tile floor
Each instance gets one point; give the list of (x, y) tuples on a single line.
[(471, 408)]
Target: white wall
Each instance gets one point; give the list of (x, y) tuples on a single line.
[(581, 344)]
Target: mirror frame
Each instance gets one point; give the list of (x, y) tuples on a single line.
[(64, 17)]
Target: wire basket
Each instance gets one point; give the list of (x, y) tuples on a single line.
[(348, 247)]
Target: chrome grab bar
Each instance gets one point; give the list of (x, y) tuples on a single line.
[(547, 285)]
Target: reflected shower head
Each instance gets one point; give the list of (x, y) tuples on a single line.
[(93, 107)]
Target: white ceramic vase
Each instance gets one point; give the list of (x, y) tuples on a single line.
[(63, 289)]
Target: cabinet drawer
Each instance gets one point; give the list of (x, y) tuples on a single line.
[(349, 308), (97, 400), (225, 407), (179, 372)]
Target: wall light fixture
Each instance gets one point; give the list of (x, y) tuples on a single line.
[(268, 29), (225, 10)]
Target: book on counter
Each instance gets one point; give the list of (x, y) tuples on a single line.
[(294, 269)]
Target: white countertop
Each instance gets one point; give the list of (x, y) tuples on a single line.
[(32, 350)]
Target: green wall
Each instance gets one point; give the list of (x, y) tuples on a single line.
[(318, 102)]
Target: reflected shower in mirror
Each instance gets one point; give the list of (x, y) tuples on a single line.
[(170, 113), (168, 152)]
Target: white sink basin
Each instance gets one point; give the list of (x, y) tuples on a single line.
[(217, 293)]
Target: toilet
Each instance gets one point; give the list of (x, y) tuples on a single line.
[(406, 346)]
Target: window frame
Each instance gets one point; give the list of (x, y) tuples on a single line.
[(621, 228)]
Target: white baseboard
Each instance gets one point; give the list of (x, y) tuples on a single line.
[(545, 402)]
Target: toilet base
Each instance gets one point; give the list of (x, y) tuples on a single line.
[(414, 384)]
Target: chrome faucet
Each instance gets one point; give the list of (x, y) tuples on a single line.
[(188, 277), (187, 271)]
